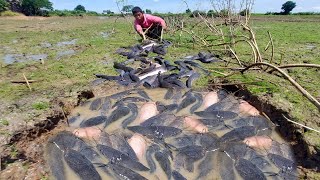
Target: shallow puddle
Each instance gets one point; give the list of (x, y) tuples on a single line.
[(16, 58), (65, 53), (66, 43)]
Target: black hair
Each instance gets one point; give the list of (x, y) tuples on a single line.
[(136, 10)]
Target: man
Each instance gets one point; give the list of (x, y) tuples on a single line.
[(148, 25)]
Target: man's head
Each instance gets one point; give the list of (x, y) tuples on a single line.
[(137, 13)]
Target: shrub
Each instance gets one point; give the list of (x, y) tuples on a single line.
[(10, 13)]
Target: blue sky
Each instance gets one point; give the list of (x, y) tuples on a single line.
[(261, 6)]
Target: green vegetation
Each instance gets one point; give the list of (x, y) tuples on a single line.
[(287, 7), (9, 13), (4, 122), (40, 105), (3, 5), (36, 7), (80, 8), (127, 8)]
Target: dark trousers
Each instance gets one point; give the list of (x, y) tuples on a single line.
[(154, 32)]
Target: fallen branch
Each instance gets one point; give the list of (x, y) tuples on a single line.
[(297, 65), (235, 55), (300, 124), (25, 78), (289, 78), (300, 65), (218, 72), (233, 84), (18, 81)]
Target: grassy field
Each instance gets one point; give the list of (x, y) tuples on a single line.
[(70, 68)]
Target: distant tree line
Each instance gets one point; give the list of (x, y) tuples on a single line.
[(45, 8)]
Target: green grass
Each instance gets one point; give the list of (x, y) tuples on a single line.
[(293, 36), (4, 122), (40, 105)]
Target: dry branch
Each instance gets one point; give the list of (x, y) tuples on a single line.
[(20, 81), (301, 124), (289, 78), (25, 78)]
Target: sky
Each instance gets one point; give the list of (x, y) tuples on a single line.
[(175, 6)]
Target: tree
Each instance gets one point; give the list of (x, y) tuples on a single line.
[(3, 5), (148, 11), (212, 13), (80, 8), (287, 7), (127, 8), (33, 7), (244, 12), (108, 12), (188, 11)]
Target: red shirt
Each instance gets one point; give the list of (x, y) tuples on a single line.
[(147, 22)]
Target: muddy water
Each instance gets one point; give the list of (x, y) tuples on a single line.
[(220, 163)]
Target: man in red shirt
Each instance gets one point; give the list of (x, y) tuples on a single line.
[(153, 24)]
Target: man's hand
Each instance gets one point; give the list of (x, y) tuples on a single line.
[(143, 36), (165, 28)]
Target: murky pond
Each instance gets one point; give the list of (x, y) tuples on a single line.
[(169, 134)]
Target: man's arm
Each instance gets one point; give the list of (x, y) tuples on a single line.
[(139, 30)]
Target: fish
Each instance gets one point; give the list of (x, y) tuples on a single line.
[(223, 115), (226, 166), (158, 132), (238, 134), (206, 165), (119, 143), (125, 173), (150, 151), (158, 119), (163, 159), (94, 121), (190, 80), (120, 95), (81, 165), (168, 94), (108, 78), (209, 141), (105, 106), (156, 71), (143, 94), (116, 156), (96, 104), (134, 113), (247, 170), (282, 163), (122, 67), (177, 176), (198, 104), (188, 100), (55, 161), (117, 114), (194, 152)]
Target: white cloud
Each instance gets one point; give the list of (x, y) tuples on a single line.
[(316, 8)]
